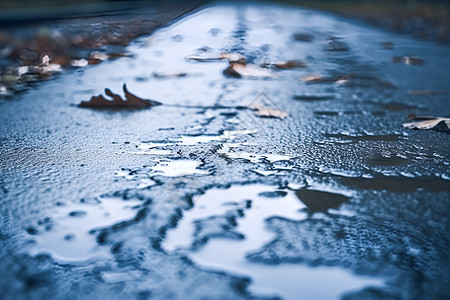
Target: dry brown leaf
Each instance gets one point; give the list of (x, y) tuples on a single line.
[(242, 69), (264, 111), (312, 78), (132, 101), (425, 122)]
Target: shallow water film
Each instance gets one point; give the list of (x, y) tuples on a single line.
[(275, 161)]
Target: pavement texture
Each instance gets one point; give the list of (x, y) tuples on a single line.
[(202, 198)]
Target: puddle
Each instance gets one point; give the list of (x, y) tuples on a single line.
[(66, 236), (149, 149), (193, 140), (251, 157), (188, 140), (227, 253), (177, 168), (141, 179)]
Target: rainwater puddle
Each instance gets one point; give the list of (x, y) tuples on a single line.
[(198, 139), (177, 168), (256, 203), (252, 157), (150, 149), (141, 180), (67, 235)]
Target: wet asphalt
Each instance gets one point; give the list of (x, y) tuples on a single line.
[(201, 198)]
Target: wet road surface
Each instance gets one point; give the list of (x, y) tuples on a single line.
[(202, 197)]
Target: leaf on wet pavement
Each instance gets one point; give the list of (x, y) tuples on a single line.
[(425, 122), (241, 69), (264, 111), (116, 101)]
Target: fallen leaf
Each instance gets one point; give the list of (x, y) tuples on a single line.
[(132, 101), (341, 81), (312, 78), (79, 62), (97, 57), (48, 67), (242, 69), (135, 101), (425, 122), (264, 111), (408, 60)]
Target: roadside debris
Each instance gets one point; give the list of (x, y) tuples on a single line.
[(425, 122), (132, 101), (264, 111)]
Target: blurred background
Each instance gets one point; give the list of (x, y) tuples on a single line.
[(38, 37)]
